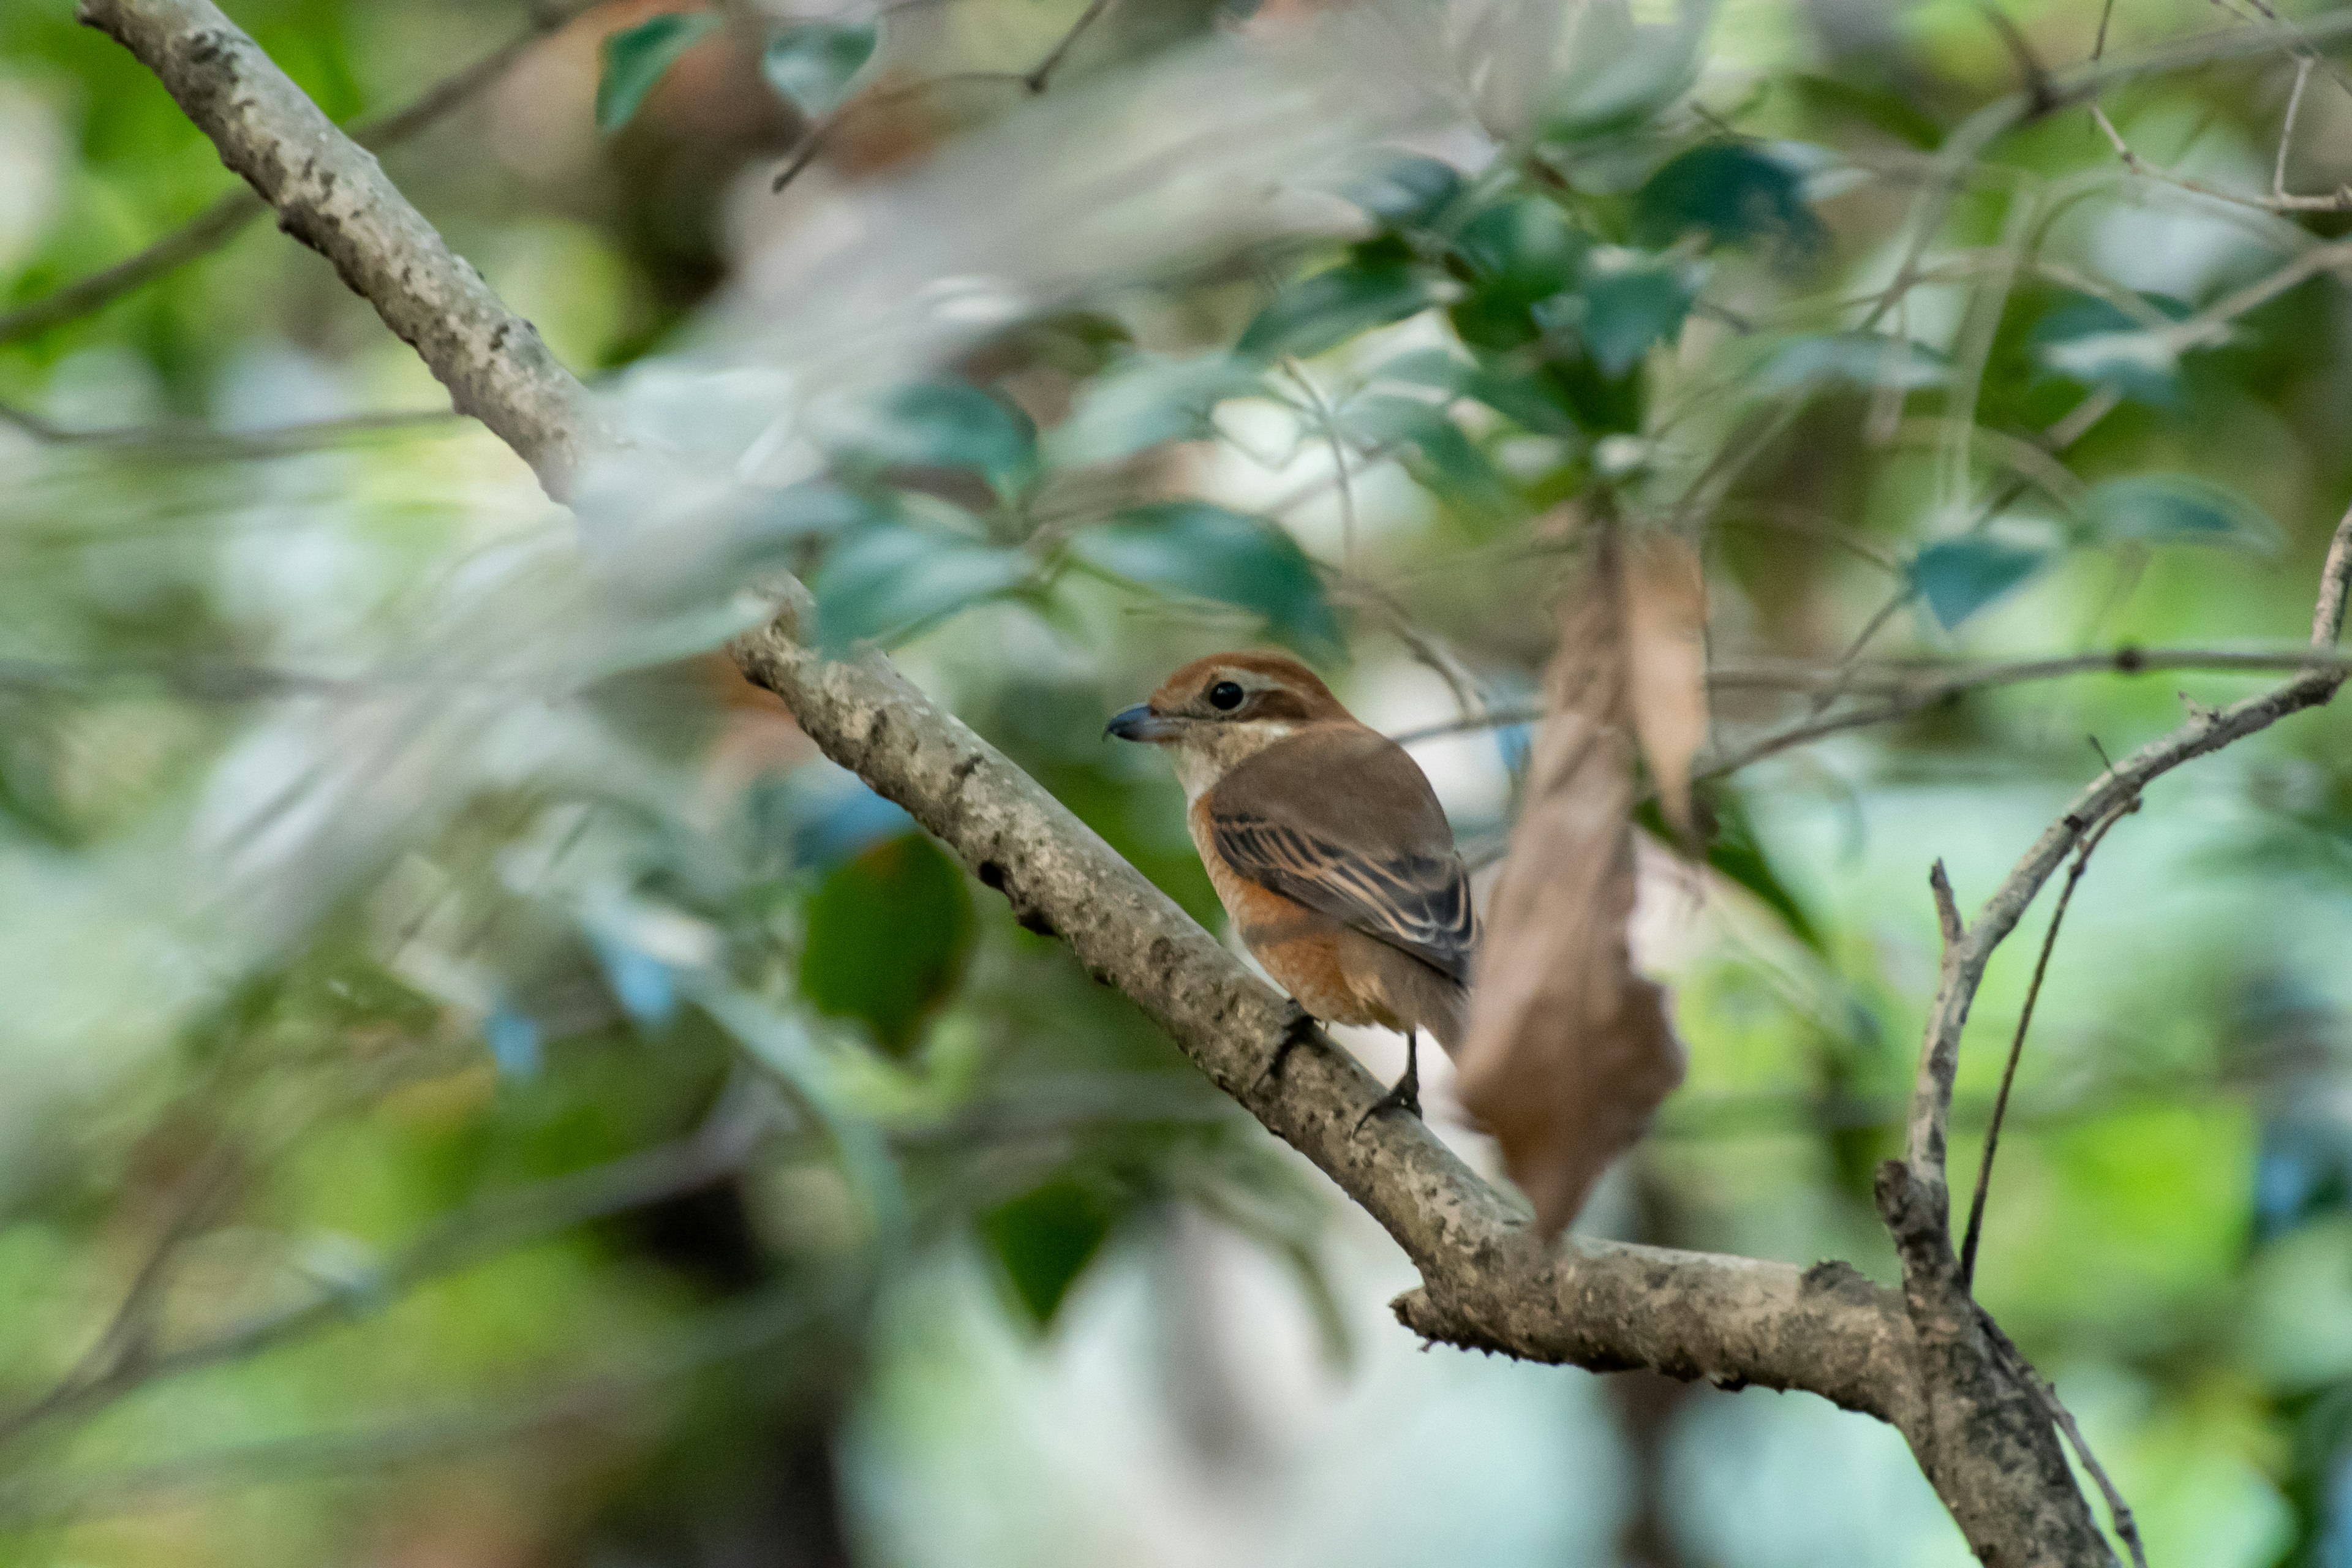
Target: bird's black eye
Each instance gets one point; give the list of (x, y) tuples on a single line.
[(1225, 695)]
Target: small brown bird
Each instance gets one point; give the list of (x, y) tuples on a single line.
[(1325, 845)]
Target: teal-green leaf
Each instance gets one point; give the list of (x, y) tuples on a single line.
[(2095, 342), (1149, 399), (1630, 303), (1449, 464), (1194, 550), (1323, 311), (938, 425), (2177, 509), (1043, 1239), (1854, 358), (886, 582), (1733, 193), (1405, 190), (1523, 250), (813, 63), (637, 59), (1957, 577), (888, 931), (1514, 395)]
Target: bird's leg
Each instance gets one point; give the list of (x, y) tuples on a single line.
[(1406, 1095), (1300, 1031)]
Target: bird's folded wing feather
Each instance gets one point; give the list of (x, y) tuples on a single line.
[(1346, 823)]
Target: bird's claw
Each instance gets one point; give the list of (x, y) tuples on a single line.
[(1405, 1096), (1300, 1031)]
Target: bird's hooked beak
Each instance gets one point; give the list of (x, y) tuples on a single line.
[(1141, 723)]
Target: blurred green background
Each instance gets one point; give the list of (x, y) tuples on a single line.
[(476, 1088)]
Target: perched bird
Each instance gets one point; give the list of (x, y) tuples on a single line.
[(1325, 845)]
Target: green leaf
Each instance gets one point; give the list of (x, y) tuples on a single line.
[(1735, 852), (1734, 194), (1450, 465), (1524, 250), (887, 582), (1631, 303), (938, 425), (1405, 190), (888, 931), (2095, 342), (1043, 1240), (1194, 550), (813, 63), (1149, 399), (2177, 509), (1856, 359), (638, 58), (1322, 311), (1516, 396), (1957, 577)]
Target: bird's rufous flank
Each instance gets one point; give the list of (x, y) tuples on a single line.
[(1325, 845)]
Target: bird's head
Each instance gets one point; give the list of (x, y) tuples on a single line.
[(1219, 711)]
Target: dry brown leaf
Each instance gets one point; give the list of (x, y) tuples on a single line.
[(1570, 1051), (1666, 639)]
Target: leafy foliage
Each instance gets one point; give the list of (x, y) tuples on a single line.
[(813, 64), (636, 60), (1196, 549), (889, 929)]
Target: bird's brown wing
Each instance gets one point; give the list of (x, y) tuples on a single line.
[(1339, 819)]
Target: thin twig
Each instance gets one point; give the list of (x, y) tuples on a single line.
[(198, 443), (1327, 417), (1034, 80), (1905, 689), (2206, 730), (2017, 1042), (467, 1237), (2119, 1514), (1038, 79)]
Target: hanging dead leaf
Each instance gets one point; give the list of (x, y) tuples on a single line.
[(1570, 1051), (1665, 641)]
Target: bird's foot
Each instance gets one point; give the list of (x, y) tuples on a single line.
[(1300, 1031), (1405, 1096)]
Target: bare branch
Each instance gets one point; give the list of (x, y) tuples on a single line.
[(2207, 731)]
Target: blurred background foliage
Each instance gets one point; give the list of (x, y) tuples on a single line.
[(477, 1090)]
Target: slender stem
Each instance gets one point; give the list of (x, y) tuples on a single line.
[(2017, 1044), (1035, 79)]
